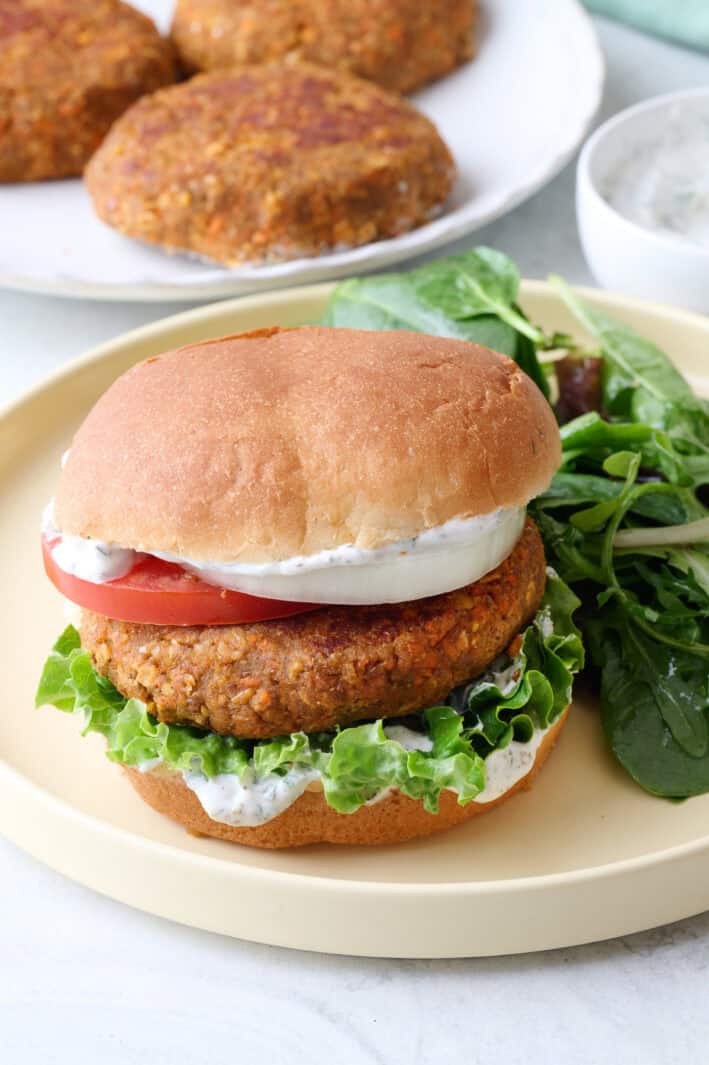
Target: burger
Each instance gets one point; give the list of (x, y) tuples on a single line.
[(311, 607)]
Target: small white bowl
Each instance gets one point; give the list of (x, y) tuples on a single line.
[(622, 254)]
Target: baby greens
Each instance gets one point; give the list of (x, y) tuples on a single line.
[(355, 763), (623, 521)]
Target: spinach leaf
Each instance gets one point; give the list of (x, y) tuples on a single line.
[(655, 707), (480, 281)]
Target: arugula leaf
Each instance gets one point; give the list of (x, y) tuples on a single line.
[(355, 763)]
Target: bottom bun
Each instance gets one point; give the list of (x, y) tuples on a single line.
[(310, 820)]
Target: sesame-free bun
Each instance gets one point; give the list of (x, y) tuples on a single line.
[(394, 819), (276, 443)]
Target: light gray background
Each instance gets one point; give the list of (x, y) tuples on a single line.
[(84, 979)]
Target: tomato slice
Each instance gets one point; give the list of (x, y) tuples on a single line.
[(162, 593)]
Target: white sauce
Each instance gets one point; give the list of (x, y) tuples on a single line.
[(505, 767), (505, 679), (438, 560), (409, 739), (149, 765), (93, 560), (545, 623), (251, 800), (663, 183)]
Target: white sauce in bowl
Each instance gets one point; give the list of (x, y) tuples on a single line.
[(662, 181)]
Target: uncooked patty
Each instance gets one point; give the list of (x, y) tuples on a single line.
[(330, 667), (401, 44), (269, 163), (68, 69)]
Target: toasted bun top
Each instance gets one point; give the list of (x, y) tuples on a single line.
[(286, 442)]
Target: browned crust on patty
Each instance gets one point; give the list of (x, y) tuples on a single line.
[(269, 163), (401, 44), (68, 69), (330, 667), (310, 820)]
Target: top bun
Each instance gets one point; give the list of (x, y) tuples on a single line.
[(277, 443)]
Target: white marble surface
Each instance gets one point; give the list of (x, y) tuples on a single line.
[(84, 979)]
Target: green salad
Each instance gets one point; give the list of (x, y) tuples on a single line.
[(624, 522)]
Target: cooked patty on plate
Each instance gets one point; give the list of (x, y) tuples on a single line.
[(68, 69), (270, 163), (401, 44)]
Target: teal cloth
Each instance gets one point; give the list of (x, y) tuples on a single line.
[(686, 21)]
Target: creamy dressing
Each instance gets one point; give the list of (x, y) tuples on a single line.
[(438, 560), (409, 739), (662, 183), (91, 560), (505, 678), (545, 623), (148, 765), (506, 766), (251, 800)]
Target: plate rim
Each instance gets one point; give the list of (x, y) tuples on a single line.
[(377, 255), (11, 777), (38, 802)]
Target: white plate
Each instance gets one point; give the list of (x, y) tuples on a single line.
[(512, 117), (584, 855)]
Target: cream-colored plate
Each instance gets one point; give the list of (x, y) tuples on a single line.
[(585, 855)]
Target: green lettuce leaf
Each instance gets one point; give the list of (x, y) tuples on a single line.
[(513, 699)]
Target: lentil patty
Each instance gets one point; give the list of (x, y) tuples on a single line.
[(401, 44), (68, 69), (331, 667), (269, 163)]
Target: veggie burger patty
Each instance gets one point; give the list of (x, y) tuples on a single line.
[(269, 163), (401, 44), (68, 69)]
